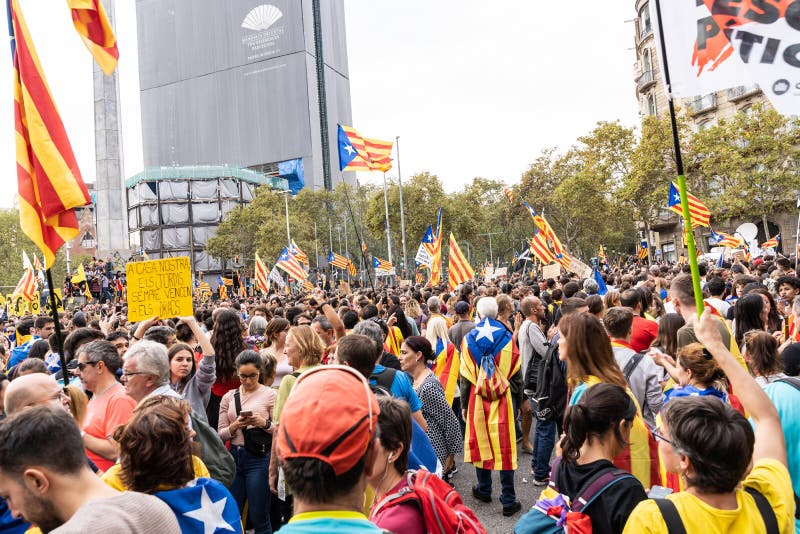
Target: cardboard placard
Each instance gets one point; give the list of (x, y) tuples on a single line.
[(161, 288), (59, 303), (578, 267), (551, 271)]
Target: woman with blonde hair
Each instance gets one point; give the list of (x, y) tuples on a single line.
[(447, 360), (304, 350)]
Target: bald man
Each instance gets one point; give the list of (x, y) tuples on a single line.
[(34, 390)]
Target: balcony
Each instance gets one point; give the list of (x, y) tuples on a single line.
[(742, 91), (645, 29), (644, 81), (701, 104)]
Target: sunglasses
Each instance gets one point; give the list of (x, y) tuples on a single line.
[(82, 365)]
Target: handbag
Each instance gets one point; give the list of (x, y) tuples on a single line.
[(257, 441)]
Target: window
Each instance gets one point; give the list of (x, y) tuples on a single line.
[(747, 111), (647, 64), (668, 251), (651, 103), (644, 20)]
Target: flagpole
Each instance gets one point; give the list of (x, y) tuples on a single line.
[(59, 339), (687, 216), (386, 207), (402, 213)]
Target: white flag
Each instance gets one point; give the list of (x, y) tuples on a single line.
[(740, 44), (423, 258), (276, 277), (26, 261)]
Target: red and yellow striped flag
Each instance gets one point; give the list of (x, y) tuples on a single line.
[(701, 215), (26, 286), (49, 181), (351, 268), (261, 274), (299, 255), (460, 270), (539, 248), (509, 194), (307, 285), (379, 154), (92, 25), (446, 368)]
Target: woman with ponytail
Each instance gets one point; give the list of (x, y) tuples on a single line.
[(596, 430), (444, 430)]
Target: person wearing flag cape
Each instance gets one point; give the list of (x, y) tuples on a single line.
[(491, 375)]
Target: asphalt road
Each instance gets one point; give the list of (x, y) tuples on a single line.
[(491, 514)]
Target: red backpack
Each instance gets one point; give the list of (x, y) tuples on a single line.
[(442, 507)]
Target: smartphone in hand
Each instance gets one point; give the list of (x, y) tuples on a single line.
[(246, 413)]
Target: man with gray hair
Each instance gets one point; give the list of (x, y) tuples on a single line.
[(109, 408), (490, 387), (146, 371), (374, 331), (435, 310)]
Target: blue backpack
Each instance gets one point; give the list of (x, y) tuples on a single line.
[(559, 515)]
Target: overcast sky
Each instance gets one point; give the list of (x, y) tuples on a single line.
[(472, 88)]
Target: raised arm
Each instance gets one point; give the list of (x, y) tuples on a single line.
[(768, 432), (202, 337)]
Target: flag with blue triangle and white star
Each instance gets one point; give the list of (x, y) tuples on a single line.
[(204, 506)]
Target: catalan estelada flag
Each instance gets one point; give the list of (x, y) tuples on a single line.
[(381, 265), (261, 274), (352, 150), (299, 255), (287, 262), (26, 286), (488, 360), (701, 216), (446, 367), (643, 252), (92, 25), (725, 240), (459, 269), (49, 181), (337, 260), (379, 154), (772, 243), (432, 241), (539, 248)]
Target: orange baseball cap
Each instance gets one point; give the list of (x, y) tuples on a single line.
[(331, 415)]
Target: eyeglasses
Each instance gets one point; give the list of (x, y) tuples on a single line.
[(249, 376), (82, 365), (125, 375), (660, 437)]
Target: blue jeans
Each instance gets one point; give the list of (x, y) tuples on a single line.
[(508, 495), (251, 485), (544, 440)]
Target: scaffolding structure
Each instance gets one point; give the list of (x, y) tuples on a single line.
[(173, 211)]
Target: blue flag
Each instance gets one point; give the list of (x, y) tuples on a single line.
[(204, 506), (602, 289)]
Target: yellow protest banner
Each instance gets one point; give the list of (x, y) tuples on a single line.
[(2, 300), (160, 288)]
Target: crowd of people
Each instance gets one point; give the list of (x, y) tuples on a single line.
[(332, 412)]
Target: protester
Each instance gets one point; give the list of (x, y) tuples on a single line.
[(327, 465), (443, 428), (245, 419), (728, 468), (276, 332), (110, 406), (227, 341), (188, 378), (487, 405), (42, 449)]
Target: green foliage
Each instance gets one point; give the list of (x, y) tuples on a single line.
[(609, 185), (12, 243)]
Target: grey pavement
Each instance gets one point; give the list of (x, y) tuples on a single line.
[(491, 514)]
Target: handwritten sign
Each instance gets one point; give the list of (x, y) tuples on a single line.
[(578, 267), (551, 271), (159, 287)]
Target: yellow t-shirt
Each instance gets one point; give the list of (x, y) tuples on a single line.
[(112, 476), (768, 477)]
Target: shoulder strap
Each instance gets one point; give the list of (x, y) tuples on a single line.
[(237, 399), (791, 380), (597, 485), (671, 516), (766, 511), (630, 367)]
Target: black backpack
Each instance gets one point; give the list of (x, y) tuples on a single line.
[(383, 381), (531, 377), (551, 387)]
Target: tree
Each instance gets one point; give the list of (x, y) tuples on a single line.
[(747, 165), (12, 244)]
